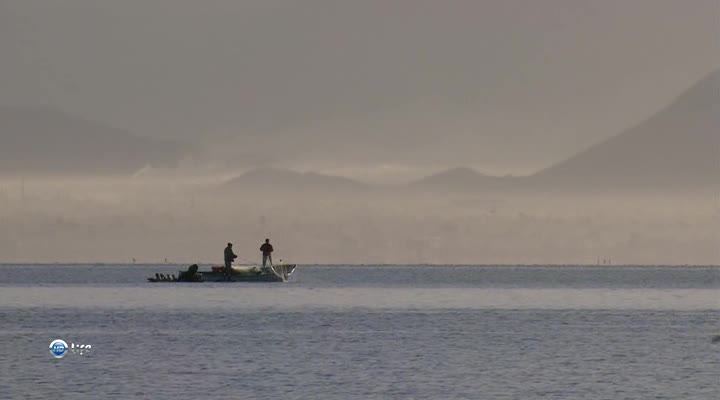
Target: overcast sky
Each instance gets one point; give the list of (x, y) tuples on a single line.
[(504, 86)]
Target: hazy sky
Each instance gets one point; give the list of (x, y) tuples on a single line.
[(505, 86)]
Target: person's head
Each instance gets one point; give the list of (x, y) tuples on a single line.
[(193, 268), (267, 240), (229, 244)]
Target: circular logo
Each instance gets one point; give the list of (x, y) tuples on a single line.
[(58, 348)]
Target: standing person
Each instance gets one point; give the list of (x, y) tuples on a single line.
[(267, 250), (229, 258)]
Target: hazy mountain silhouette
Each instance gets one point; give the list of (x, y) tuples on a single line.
[(273, 179), (463, 179), (679, 147), (44, 141)]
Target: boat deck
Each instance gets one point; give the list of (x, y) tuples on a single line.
[(277, 273)]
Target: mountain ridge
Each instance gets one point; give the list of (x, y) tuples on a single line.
[(47, 141), (269, 178), (684, 137)]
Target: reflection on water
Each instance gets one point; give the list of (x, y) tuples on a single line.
[(395, 276), (364, 333), (225, 297)]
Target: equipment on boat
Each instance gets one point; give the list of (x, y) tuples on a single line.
[(272, 273)]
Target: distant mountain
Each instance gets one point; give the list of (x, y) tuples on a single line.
[(463, 179), (679, 147), (272, 179), (44, 141)]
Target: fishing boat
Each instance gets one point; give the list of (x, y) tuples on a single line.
[(247, 273)]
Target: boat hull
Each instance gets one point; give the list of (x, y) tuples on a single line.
[(279, 273)]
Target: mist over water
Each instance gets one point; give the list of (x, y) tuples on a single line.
[(116, 220), (344, 131)]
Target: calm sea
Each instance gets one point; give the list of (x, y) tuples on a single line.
[(364, 332)]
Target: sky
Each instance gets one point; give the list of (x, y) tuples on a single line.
[(380, 91), (361, 87)]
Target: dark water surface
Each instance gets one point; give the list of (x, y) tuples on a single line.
[(389, 332)]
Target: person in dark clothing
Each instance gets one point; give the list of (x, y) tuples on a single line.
[(191, 275), (229, 258), (267, 250)]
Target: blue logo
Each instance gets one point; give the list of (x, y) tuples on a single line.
[(58, 348)]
